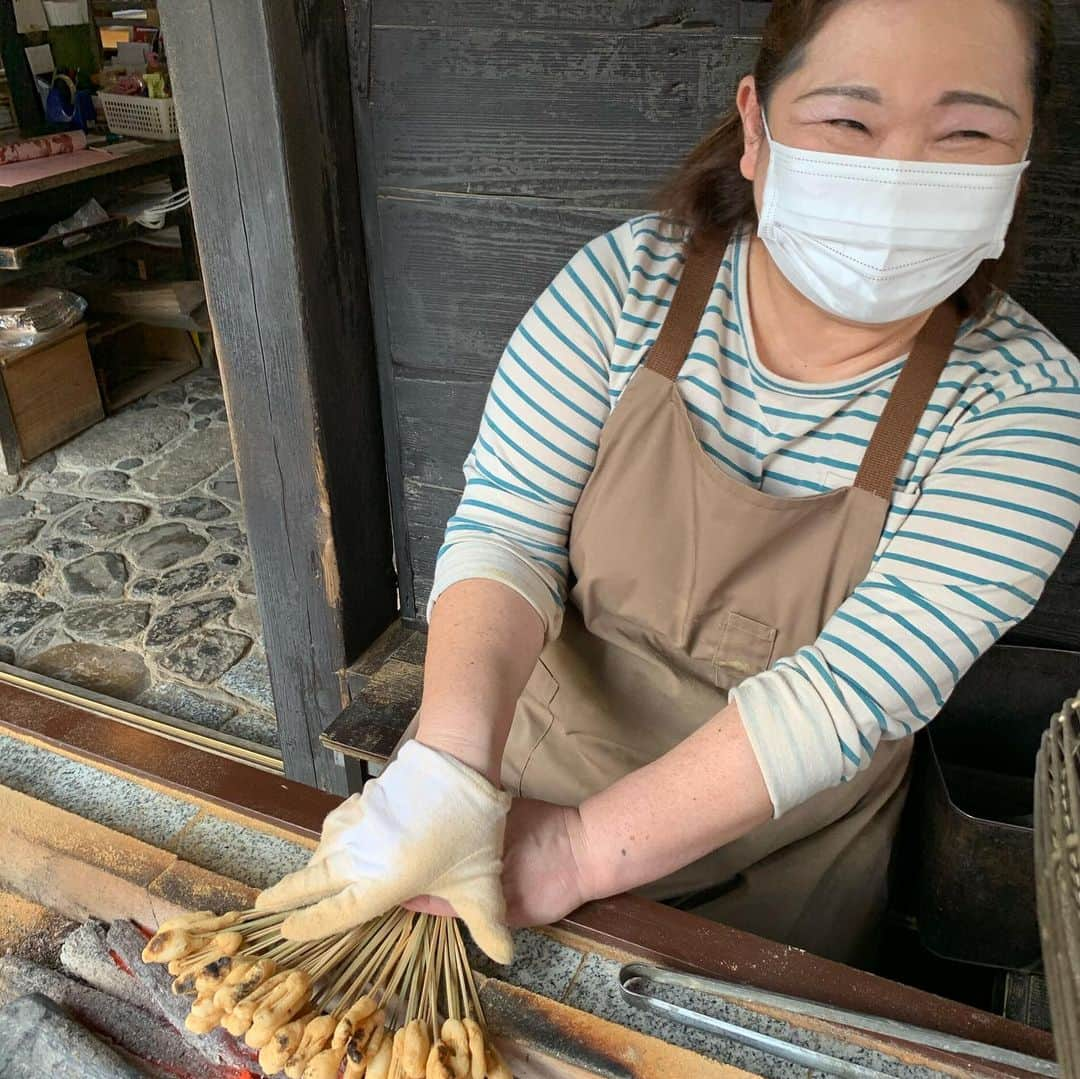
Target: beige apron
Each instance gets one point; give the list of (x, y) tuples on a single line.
[(686, 582)]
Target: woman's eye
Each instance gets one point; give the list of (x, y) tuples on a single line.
[(852, 125), (968, 135)]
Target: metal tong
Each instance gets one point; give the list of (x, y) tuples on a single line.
[(743, 995)]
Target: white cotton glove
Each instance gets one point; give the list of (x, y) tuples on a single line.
[(429, 825)]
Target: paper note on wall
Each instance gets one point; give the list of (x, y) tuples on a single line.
[(67, 12), (30, 16), (40, 58)]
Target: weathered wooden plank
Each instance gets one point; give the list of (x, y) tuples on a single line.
[(25, 99), (561, 14), (504, 251), (491, 173), (288, 297), (427, 509), (480, 111), (380, 711), (438, 425), (649, 15), (358, 30), (1067, 15), (1051, 274), (461, 271), (752, 14)]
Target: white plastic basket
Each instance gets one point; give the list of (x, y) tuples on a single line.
[(140, 117)]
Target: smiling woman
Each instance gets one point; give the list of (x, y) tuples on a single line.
[(919, 81), (759, 477)]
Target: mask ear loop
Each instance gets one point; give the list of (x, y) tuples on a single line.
[(765, 127)]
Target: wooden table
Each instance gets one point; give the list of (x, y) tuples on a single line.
[(152, 154), (57, 197)]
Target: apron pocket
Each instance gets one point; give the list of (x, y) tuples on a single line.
[(533, 721), (746, 648), (542, 684)]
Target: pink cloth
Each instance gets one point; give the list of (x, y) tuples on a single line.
[(66, 142)]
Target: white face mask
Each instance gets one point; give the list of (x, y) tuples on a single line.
[(873, 240)]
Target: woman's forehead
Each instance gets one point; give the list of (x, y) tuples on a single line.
[(920, 49)]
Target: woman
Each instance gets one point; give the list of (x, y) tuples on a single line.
[(785, 438)]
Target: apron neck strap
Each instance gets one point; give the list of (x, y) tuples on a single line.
[(907, 402), (668, 353)]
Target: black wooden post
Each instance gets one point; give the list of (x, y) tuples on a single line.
[(266, 125), (24, 96)]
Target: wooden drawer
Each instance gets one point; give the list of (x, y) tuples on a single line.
[(52, 391)]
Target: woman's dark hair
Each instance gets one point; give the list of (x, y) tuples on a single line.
[(709, 194)]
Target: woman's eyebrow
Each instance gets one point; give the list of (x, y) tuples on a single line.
[(970, 97), (859, 93), (873, 96)]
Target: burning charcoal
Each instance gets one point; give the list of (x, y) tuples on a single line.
[(39, 1038), (131, 1028), (127, 941), (86, 955)]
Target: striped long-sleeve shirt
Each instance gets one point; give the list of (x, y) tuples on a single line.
[(987, 500)]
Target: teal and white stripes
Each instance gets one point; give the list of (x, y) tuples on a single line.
[(987, 501)]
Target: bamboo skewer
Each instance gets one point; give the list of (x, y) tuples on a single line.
[(394, 998)]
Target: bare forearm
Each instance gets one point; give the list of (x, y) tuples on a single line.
[(483, 643), (705, 792)]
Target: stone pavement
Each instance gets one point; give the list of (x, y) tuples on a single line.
[(124, 565)]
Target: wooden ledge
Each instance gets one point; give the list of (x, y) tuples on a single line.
[(385, 685), (85, 735)]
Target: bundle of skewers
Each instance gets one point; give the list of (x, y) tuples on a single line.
[(394, 998)]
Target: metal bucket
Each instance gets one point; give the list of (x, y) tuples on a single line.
[(973, 796)]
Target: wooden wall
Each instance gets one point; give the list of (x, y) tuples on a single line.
[(497, 136)]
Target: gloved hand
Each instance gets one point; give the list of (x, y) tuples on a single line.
[(429, 825)]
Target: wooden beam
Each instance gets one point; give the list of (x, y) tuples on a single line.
[(86, 735), (265, 121)]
